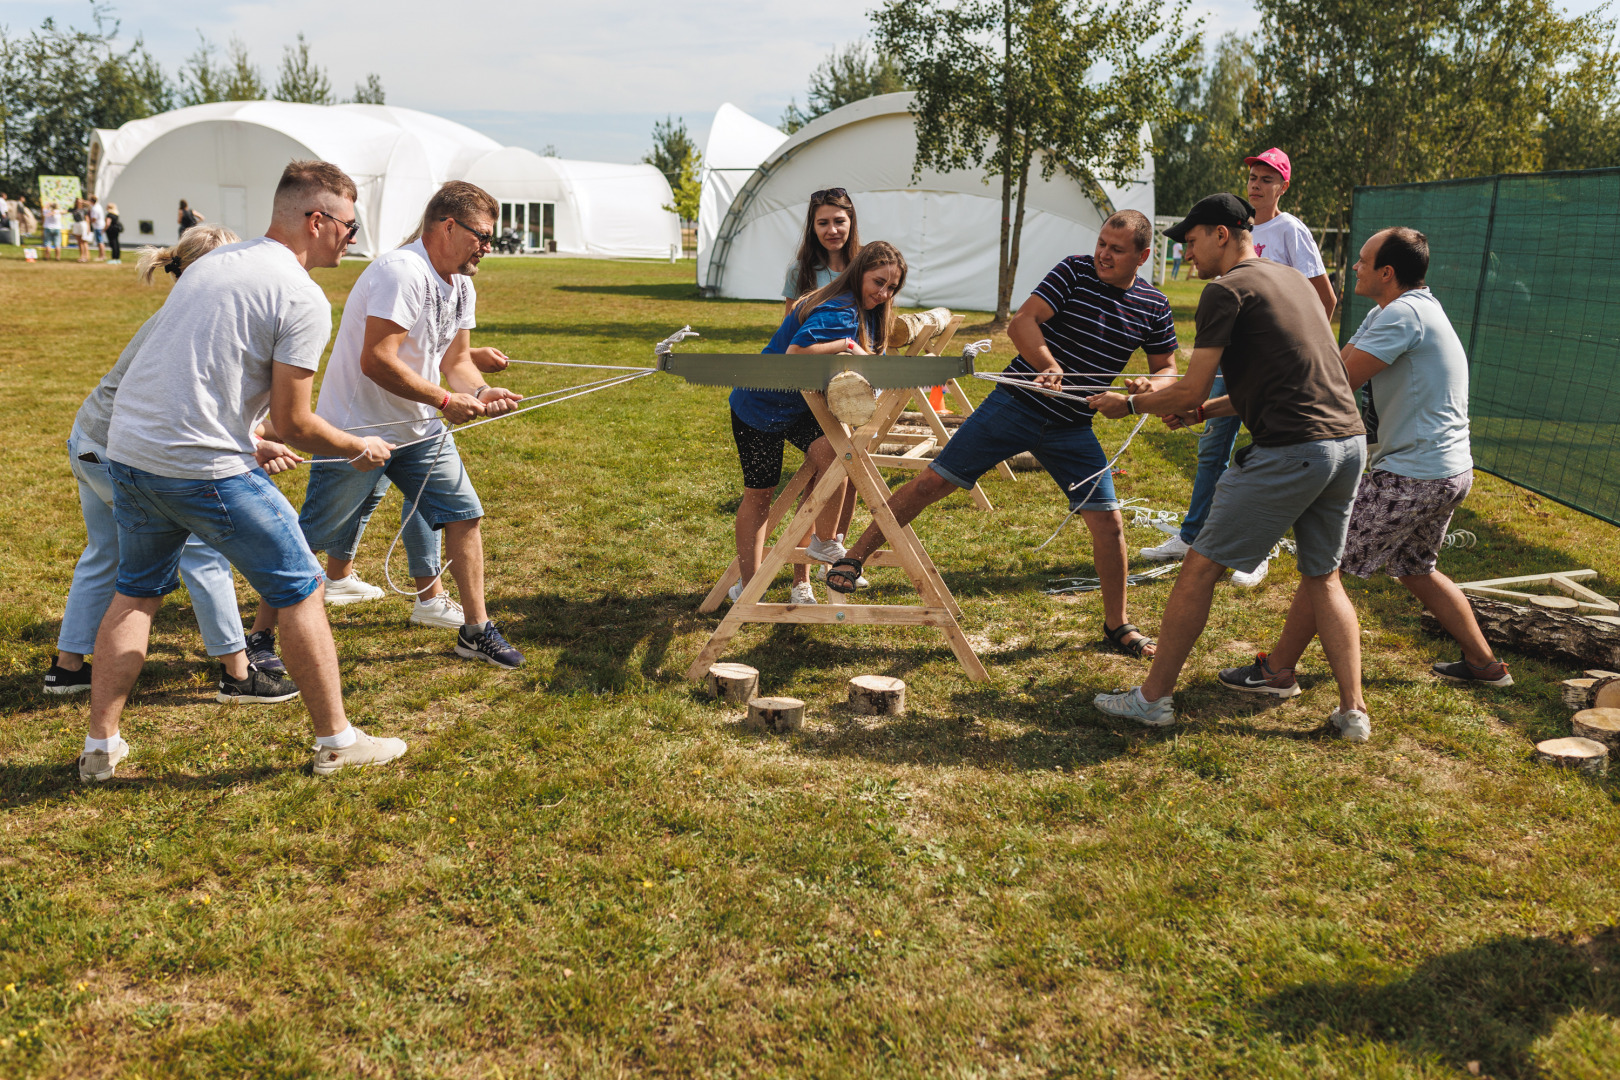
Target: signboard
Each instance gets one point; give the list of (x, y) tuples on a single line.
[(61, 190)]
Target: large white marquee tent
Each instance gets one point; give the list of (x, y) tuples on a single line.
[(947, 224), (225, 158)]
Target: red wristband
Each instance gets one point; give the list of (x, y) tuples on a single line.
[(445, 402), (1200, 414)]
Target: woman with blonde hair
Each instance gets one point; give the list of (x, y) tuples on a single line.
[(851, 314), (206, 571)]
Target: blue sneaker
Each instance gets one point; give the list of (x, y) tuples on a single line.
[(1131, 705), (486, 643), (261, 653)]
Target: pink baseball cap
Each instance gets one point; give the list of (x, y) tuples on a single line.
[(1274, 158)]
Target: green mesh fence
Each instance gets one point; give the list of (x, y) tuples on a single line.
[(1528, 269)]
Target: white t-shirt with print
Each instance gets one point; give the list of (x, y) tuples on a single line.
[(1285, 239), (402, 287), (98, 215)]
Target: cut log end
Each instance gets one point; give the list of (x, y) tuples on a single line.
[(849, 397), (1582, 755), (1605, 693), (1556, 603), (776, 714), (1599, 725), (877, 695), (736, 683)]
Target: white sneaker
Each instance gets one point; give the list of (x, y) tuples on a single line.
[(827, 551), (803, 593), (351, 590), (1249, 581), (1354, 725), (97, 765), (438, 611), (735, 592), (860, 582), (365, 750), (1173, 548)]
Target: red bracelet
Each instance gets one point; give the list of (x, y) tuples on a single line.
[(1200, 414), (445, 402)]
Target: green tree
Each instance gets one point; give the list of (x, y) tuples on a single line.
[(688, 188), (1583, 117), (1012, 86), (302, 79), (672, 148), (370, 92), (849, 74), (202, 78), (1202, 152), (243, 82)]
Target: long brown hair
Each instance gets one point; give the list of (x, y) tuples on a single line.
[(877, 253), (812, 256)]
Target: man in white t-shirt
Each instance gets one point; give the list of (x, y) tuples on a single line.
[(98, 226), (237, 343), (406, 324)]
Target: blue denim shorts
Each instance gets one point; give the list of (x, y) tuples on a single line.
[(340, 499), (245, 517), (1002, 428)]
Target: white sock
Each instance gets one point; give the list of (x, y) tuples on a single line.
[(1144, 699), (346, 737), (104, 745), (330, 580)]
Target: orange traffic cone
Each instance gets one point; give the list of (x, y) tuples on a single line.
[(936, 398)]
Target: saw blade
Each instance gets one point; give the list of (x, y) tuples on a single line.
[(811, 371)]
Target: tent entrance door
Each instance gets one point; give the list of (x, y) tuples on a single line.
[(535, 224)]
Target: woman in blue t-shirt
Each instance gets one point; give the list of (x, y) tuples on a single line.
[(831, 239), (851, 314)]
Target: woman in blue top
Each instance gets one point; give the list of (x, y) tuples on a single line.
[(851, 314), (831, 239)]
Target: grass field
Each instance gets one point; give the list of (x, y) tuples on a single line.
[(585, 868)]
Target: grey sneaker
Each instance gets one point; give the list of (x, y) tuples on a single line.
[(1172, 549), (365, 750), (438, 611), (802, 593), (1258, 678), (260, 687), (827, 551), (487, 644), (1131, 705), (261, 652), (98, 765), (1352, 724), (1494, 673)]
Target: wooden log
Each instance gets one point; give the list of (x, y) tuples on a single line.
[(1535, 631), (877, 695), (1577, 693), (736, 683), (776, 714), (1599, 725), (1599, 673), (849, 397), (1583, 755), (1605, 693)]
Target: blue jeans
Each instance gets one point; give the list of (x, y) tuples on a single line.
[(1214, 455), (1002, 427), (244, 517), (206, 572)]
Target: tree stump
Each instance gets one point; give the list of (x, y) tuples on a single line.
[(1594, 673), (776, 714), (849, 397), (1556, 603), (1605, 693), (1582, 755), (736, 683), (1599, 725), (877, 695), (1576, 693)]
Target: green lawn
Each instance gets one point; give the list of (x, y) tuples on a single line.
[(586, 868)]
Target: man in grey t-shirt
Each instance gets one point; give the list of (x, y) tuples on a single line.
[(1421, 473), (237, 344)]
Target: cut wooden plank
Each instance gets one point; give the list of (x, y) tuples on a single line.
[(1583, 755), (736, 683), (1572, 639), (877, 695), (1528, 579), (1599, 725), (776, 714)]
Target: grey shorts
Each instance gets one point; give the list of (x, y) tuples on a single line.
[(1308, 487), (1400, 523)]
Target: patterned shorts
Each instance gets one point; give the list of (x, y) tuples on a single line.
[(1399, 523)]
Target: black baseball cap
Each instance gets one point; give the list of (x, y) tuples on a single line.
[(1223, 209)]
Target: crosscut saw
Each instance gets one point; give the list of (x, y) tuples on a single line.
[(809, 371)]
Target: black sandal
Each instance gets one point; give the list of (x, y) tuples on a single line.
[(851, 578), (1137, 648)]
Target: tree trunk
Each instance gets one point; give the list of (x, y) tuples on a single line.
[(1004, 297), (1553, 635), (1005, 152)]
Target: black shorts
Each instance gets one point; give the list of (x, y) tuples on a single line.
[(761, 451)]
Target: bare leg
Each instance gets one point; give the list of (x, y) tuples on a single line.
[(236, 664), (846, 513), (1109, 556), (1297, 634), (1340, 633), (338, 568), (266, 617), (311, 659), (927, 489), (1440, 595), (121, 644), (828, 521), (69, 661), (464, 549), (751, 514), (1185, 615)]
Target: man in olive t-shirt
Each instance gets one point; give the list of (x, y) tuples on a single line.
[(1262, 324)]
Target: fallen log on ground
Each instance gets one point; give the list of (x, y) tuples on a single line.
[(1551, 635)]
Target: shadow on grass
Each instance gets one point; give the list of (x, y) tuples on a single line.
[(675, 290), (24, 784), (1487, 1003), (608, 643)]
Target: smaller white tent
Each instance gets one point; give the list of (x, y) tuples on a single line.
[(225, 159), (946, 224), (737, 144)]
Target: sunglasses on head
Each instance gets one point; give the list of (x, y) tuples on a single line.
[(827, 194)]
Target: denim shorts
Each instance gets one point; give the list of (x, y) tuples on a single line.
[(341, 498), (1002, 427), (244, 517), (51, 238), (1308, 487)]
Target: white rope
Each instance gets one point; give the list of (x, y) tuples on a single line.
[(977, 348), (1096, 479), (663, 348), (559, 363)]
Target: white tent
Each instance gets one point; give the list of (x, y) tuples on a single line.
[(225, 159), (737, 144), (947, 224)]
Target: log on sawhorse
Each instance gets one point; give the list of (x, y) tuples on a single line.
[(853, 462)]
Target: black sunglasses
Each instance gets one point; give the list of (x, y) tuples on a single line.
[(352, 226), (484, 238), (828, 193)]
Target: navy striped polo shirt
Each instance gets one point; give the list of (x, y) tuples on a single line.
[(1095, 330)]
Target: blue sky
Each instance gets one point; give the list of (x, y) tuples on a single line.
[(589, 78)]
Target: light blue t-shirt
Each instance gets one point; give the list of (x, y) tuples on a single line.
[(1422, 395), (790, 283)]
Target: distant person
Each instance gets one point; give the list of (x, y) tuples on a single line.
[(98, 226), (186, 217), (51, 236), (1175, 266), (1078, 329), (115, 229), (1262, 322), (1420, 472), (240, 337), (207, 573), (1278, 237), (81, 229), (6, 218)]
